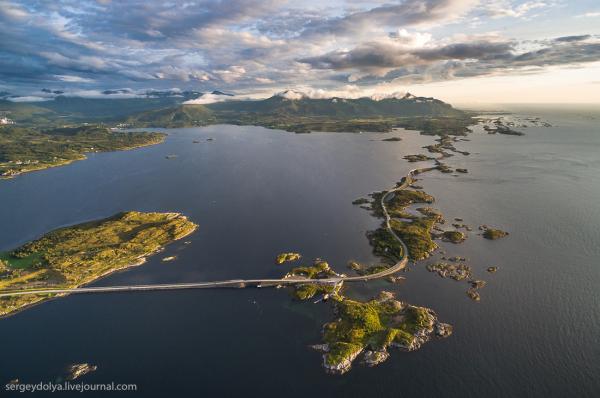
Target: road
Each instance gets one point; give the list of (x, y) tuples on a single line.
[(241, 283)]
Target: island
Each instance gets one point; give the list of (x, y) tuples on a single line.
[(25, 149), (372, 327), (77, 370), (413, 229), (458, 272), (453, 236), (493, 234), (417, 158), (76, 255), (287, 257), (319, 270)]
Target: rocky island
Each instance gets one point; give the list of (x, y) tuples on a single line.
[(371, 327), (73, 256)]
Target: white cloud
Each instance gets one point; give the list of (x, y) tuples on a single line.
[(73, 79), (29, 98), (594, 14), (504, 8), (207, 99)]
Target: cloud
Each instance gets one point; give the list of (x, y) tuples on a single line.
[(29, 98), (250, 46), (409, 13), (439, 61), (207, 99), (504, 8), (73, 79), (589, 15)]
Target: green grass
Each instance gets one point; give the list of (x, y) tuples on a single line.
[(493, 234), (320, 269), (454, 236), (415, 231), (73, 256), (31, 261), (26, 149), (373, 325)]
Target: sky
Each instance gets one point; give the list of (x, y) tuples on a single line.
[(461, 51)]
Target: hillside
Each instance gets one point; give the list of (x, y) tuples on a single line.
[(25, 149), (179, 116), (341, 107), (429, 115)]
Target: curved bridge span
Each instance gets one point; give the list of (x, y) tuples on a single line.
[(242, 283)]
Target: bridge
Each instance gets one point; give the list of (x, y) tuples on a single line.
[(242, 283)]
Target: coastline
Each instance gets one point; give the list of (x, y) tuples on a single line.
[(83, 156), (139, 261)]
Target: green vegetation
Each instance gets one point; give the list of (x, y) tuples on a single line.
[(385, 245), (24, 149), (287, 257), (309, 290), (181, 116), (360, 201), (416, 234), (427, 115), (376, 325), (319, 270), (73, 256), (397, 201), (417, 158), (63, 110), (361, 269), (493, 234), (454, 236), (415, 231)]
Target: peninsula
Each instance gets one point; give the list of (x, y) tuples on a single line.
[(25, 149)]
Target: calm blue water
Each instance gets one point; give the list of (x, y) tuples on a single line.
[(255, 192)]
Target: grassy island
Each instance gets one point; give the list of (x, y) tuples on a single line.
[(362, 269), (319, 270), (417, 158), (373, 326), (287, 257), (493, 234), (25, 149), (414, 230), (454, 236), (73, 256)]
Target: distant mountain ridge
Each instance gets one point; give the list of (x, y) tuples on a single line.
[(408, 105), (302, 114), (287, 110)]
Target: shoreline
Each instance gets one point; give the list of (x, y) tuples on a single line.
[(83, 157), (139, 261)]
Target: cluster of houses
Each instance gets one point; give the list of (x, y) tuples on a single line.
[(5, 120)]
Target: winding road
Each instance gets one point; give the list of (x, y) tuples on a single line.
[(241, 283)]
